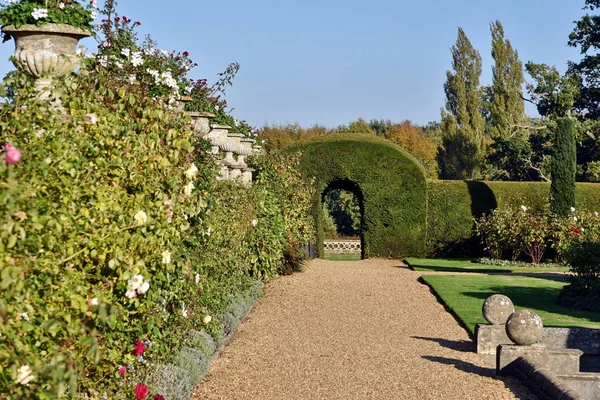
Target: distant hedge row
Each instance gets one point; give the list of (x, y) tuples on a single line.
[(451, 206), (389, 182)]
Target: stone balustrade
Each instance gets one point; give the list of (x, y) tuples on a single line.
[(342, 246), (234, 147)]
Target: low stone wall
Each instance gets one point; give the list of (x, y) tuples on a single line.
[(488, 337)]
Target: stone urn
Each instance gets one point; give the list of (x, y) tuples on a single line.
[(47, 51), (201, 121), (245, 149)]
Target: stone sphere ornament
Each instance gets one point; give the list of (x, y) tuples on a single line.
[(524, 327), (497, 308)]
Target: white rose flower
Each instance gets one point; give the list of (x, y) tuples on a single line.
[(135, 282), (140, 217), (254, 222), (207, 319), (191, 171), (572, 209), (143, 287), (197, 278), (595, 213), (184, 311), (575, 219), (166, 257), (25, 316), (94, 302), (523, 208), (187, 190), (24, 375), (131, 294)]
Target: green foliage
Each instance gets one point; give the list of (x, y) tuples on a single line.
[(73, 13), (584, 290), (390, 182), (114, 191), (463, 150), (280, 177), (564, 163)]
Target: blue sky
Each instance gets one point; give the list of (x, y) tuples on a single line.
[(331, 61)]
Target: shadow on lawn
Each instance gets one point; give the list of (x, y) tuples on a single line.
[(466, 346), (535, 298)]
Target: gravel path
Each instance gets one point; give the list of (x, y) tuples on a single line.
[(352, 330)]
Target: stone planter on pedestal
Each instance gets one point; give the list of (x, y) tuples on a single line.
[(45, 52), (217, 136), (244, 150), (201, 121)]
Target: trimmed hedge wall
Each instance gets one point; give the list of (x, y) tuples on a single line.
[(451, 206), (389, 182)]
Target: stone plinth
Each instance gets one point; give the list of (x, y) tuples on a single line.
[(488, 337)]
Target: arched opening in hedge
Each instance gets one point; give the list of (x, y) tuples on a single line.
[(348, 217), (390, 181)]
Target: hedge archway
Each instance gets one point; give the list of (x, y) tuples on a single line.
[(391, 182)]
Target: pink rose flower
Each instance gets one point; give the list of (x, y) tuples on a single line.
[(13, 155), (122, 370), (140, 347), (141, 391)]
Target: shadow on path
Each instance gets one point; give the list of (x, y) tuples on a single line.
[(510, 382), (458, 345)]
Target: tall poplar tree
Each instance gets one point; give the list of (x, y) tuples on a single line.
[(510, 150), (463, 125), (507, 107)]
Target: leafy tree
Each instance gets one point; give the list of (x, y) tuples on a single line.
[(585, 36), (412, 138), (380, 125), (463, 144), (587, 103), (358, 126), (280, 136)]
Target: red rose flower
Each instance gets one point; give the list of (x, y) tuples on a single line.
[(122, 370), (141, 391), (159, 397), (140, 347)]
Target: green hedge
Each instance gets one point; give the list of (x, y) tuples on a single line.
[(389, 182), (453, 204)]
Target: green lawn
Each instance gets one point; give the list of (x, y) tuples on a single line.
[(464, 295), (341, 257), (439, 264)]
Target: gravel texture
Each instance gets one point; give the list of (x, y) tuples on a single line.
[(353, 330)]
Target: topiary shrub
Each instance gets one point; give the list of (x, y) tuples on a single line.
[(389, 182), (563, 168)]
